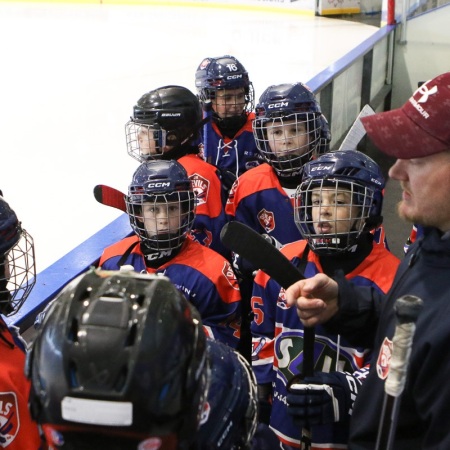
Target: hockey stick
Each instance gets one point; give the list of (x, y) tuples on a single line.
[(357, 130), (109, 196), (407, 309), (249, 244)]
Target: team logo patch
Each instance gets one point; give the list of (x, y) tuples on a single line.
[(384, 359), (200, 187), (230, 275), (267, 220), (9, 418)]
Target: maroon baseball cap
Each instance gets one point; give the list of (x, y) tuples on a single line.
[(421, 127)]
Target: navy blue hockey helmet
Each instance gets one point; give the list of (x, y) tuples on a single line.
[(230, 416), (346, 178), (169, 116), (161, 204), (223, 72), (287, 127), (120, 357), (17, 264)]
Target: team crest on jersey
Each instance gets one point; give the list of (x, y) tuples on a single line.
[(267, 220), (384, 359), (9, 418), (200, 186), (230, 275)]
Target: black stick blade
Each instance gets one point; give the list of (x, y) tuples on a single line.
[(250, 245)]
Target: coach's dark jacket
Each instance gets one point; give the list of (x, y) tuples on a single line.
[(365, 316)]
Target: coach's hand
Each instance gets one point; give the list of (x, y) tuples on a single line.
[(316, 299)]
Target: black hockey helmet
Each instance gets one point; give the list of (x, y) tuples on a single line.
[(121, 356), (167, 116)]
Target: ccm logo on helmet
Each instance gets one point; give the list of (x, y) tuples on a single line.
[(234, 77), (278, 105), (314, 169), (159, 184)]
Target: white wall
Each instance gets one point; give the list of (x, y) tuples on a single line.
[(425, 54)]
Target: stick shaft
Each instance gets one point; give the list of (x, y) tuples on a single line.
[(250, 245), (357, 130), (407, 309)]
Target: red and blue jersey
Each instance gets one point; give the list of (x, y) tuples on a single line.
[(235, 155), (258, 200), (204, 277), (17, 430), (277, 334), (210, 213)]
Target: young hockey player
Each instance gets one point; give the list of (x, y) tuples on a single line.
[(121, 362), (227, 97), (287, 130), (17, 278), (166, 125), (337, 205), (161, 207)]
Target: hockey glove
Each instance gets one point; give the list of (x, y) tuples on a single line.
[(323, 398)]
